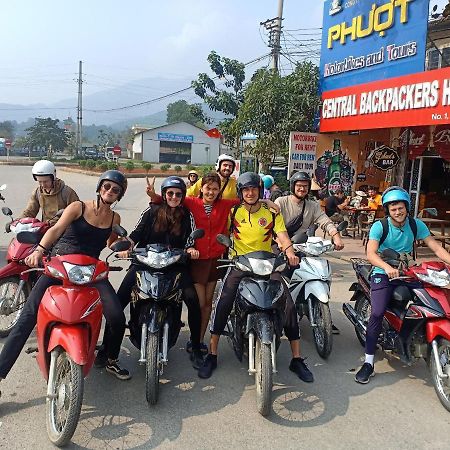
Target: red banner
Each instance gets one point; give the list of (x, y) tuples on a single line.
[(417, 99), (441, 139)]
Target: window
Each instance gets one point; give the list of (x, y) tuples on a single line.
[(433, 59), (445, 57), (174, 152)]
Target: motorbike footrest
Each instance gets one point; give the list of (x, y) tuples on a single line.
[(226, 333), (31, 350)]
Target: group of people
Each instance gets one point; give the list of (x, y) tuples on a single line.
[(218, 204)]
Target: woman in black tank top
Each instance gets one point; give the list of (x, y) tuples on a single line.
[(84, 228)]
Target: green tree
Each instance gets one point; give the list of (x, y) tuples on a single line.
[(182, 111), (228, 99), (274, 106), (46, 133), (7, 129)]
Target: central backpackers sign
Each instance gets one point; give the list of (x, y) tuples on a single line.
[(367, 40), (418, 99)]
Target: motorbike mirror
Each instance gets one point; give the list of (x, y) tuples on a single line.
[(6, 211), (121, 246), (224, 240), (300, 238), (342, 226), (2, 187), (120, 231), (388, 253), (197, 234), (431, 211), (28, 237)]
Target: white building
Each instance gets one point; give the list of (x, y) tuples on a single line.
[(176, 143)]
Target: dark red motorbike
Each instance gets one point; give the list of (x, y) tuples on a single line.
[(417, 322), (68, 324), (15, 284)]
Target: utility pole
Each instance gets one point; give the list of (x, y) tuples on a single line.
[(273, 26), (79, 111)]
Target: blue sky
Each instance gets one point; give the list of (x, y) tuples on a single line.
[(118, 41), (121, 41)]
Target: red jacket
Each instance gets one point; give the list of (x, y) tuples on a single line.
[(213, 225)]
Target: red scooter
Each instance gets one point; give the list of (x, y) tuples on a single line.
[(15, 281), (68, 325), (417, 322)]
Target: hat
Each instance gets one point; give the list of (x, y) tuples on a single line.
[(361, 193)]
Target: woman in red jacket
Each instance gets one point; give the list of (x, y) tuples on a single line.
[(210, 214)]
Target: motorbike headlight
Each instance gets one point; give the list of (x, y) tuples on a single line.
[(79, 274), (54, 273), (242, 267), (261, 266), (440, 278), (158, 260)]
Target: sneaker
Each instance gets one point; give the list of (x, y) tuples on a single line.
[(114, 368), (335, 329), (100, 360), (208, 366), (299, 367), (197, 359), (364, 374), (203, 347)]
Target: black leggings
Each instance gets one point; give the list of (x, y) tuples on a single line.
[(226, 299), (189, 297), (112, 311)]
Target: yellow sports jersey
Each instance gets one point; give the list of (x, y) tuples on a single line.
[(253, 232), (228, 193)]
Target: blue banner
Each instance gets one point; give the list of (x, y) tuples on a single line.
[(175, 137), (369, 40)]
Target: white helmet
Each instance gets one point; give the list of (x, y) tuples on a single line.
[(44, 168), (224, 157)]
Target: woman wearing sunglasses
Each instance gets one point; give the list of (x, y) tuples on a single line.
[(169, 223), (84, 228)]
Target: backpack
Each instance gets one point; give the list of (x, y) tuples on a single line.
[(385, 225), (233, 214)]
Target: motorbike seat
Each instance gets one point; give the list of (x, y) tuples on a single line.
[(364, 270)]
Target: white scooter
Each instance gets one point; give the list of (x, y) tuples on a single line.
[(310, 287)]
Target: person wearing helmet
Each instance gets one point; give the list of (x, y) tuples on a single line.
[(252, 225), (225, 167), (271, 190), (50, 195), (84, 228), (192, 178), (168, 223), (402, 230), (299, 213)]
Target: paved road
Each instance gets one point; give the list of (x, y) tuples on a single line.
[(398, 409)]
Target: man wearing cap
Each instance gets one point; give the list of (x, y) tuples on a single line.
[(224, 167)]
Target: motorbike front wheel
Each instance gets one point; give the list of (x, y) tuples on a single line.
[(152, 369), (64, 406), (441, 385), (322, 332), (12, 301), (263, 377), (363, 310)]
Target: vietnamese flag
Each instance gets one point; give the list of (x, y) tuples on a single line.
[(213, 133)]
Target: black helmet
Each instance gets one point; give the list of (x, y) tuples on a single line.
[(174, 182), (117, 177), (299, 176), (248, 179)]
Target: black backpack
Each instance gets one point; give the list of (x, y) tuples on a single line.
[(385, 225)]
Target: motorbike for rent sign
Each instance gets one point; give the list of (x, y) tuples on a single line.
[(302, 152), (413, 100), (368, 40)]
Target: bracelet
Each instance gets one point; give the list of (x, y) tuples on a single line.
[(337, 232), (43, 248), (289, 246)]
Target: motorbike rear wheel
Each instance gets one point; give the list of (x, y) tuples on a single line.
[(322, 333), (10, 310), (63, 409), (441, 385), (363, 310), (263, 377), (152, 369)]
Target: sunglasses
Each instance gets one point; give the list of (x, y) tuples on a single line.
[(174, 194), (114, 189)]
